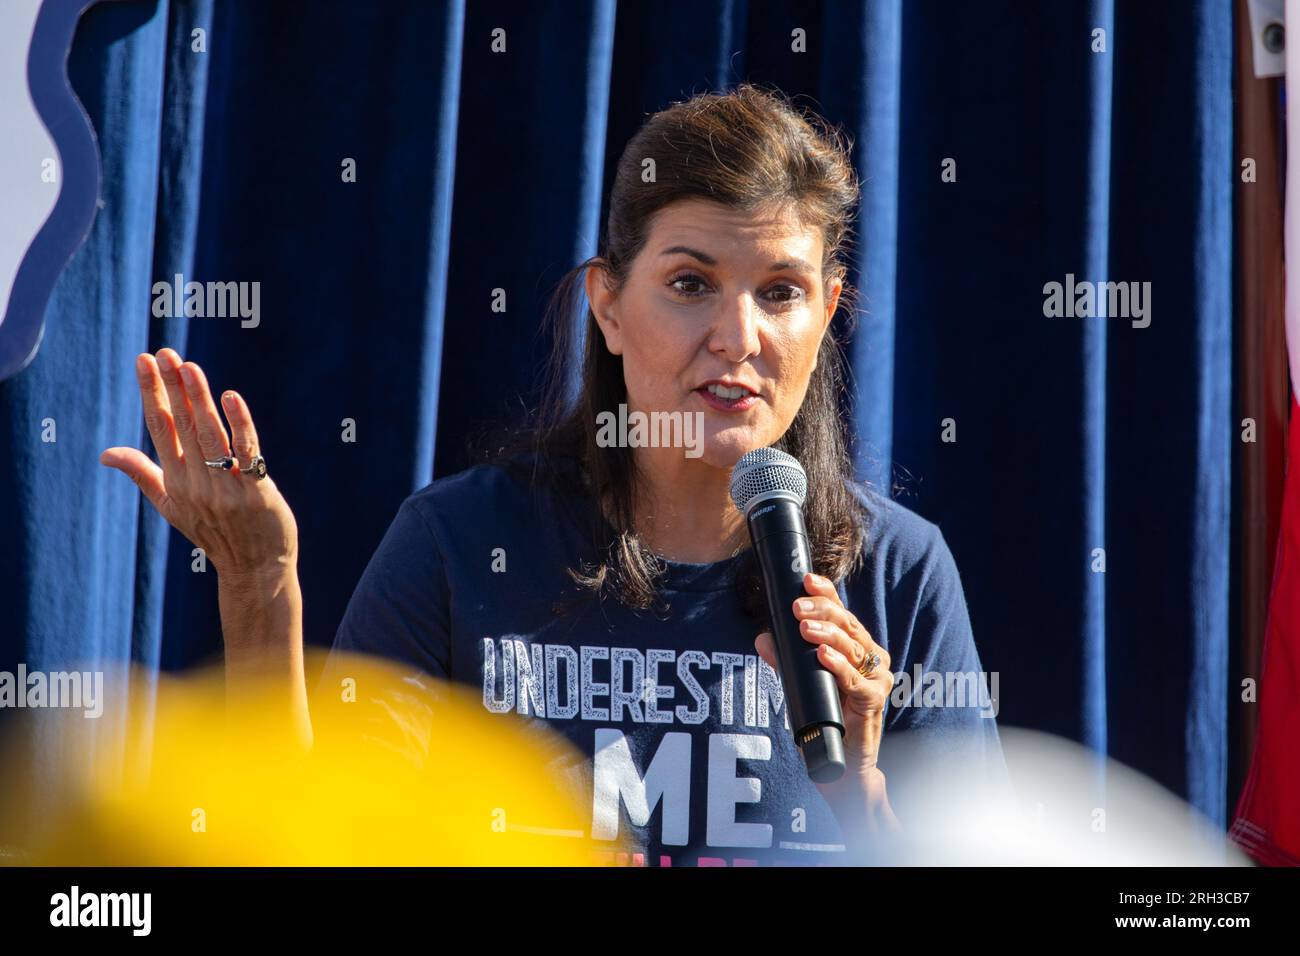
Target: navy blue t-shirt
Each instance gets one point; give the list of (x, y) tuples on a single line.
[(689, 752)]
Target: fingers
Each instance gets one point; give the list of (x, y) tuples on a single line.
[(137, 466), (157, 412), (766, 648), (818, 586), (169, 364), (824, 619), (243, 434), (815, 631), (211, 430), (866, 695)]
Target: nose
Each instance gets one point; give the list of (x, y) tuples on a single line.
[(735, 329)]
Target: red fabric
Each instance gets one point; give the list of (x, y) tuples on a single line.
[(1268, 814)]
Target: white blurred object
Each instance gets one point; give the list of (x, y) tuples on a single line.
[(1070, 808)]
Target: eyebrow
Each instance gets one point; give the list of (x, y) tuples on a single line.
[(799, 265)]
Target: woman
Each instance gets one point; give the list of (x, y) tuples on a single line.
[(609, 592)]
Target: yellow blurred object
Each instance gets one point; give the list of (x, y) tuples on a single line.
[(404, 771)]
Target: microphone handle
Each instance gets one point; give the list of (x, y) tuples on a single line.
[(812, 698)]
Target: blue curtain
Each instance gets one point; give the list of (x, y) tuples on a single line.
[(478, 171)]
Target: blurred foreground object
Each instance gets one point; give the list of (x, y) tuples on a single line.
[(1075, 808), (404, 771)]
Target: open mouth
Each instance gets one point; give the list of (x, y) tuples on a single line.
[(727, 398)]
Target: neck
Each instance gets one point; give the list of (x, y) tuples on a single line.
[(683, 509)]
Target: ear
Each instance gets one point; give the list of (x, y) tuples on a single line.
[(832, 302), (604, 306)]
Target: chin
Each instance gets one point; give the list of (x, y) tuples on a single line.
[(722, 449)]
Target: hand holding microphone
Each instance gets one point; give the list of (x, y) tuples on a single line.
[(836, 678)]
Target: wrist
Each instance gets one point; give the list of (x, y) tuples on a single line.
[(860, 802), (259, 579), (261, 613)]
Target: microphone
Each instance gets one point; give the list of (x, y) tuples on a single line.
[(768, 487)]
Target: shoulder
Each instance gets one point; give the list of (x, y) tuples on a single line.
[(913, 604), (474, 486), (900, 544), (499, 509), (480, 497), (907, 590), (435, 524)]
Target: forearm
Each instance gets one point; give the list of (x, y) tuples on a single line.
[(261, 624)]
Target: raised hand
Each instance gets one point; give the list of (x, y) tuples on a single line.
[(243, 524)]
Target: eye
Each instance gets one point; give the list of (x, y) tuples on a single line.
[(781, 294), (793, 291), (689, 278)]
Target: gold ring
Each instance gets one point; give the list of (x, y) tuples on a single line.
[(868, 665)]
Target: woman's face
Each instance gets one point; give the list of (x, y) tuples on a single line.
[(722, 313)]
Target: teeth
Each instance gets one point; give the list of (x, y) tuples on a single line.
[(731, 394)]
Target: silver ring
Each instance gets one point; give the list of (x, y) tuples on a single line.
[(257, 467)]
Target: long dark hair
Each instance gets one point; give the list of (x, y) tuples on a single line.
[(751, 149)]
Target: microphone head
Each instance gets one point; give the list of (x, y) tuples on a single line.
[(767, 473)]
